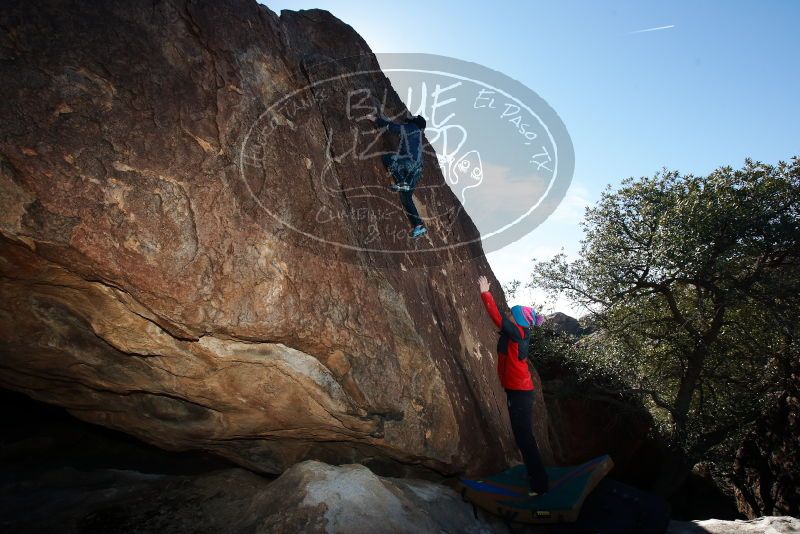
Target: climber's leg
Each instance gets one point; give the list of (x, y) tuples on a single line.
[(411, 209), (413, 172), (520, 410), (395, 167), (399, 167)]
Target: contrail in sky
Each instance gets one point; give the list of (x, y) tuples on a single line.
[(654, 29)]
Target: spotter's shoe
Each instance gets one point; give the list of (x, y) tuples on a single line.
[(534, 493), (418, 231)]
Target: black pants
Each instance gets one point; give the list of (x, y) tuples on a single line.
[(400, 169), (410, 207), (520, 410)]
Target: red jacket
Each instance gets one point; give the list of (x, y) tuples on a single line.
[(512, 349)]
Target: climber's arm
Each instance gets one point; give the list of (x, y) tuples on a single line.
[(508, 326), (491, 308), (488, 302)]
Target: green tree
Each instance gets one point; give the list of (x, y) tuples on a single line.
[(693, 284)]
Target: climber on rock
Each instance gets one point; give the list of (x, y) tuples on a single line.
[(405, 165), (512, 368)]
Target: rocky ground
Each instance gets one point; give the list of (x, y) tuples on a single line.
[(63, 475), (765, 525), (309, 497)]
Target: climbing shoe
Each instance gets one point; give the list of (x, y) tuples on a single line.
[(400, 187), (418, 231)]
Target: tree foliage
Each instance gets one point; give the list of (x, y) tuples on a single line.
[(693, 282)]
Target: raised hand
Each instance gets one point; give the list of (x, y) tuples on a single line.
[(483, 283)]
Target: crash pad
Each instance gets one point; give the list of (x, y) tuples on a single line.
[(506, 494)]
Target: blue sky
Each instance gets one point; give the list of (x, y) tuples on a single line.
[(719, 85)]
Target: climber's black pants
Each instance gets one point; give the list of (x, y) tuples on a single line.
[(411, 209), (520, 410), (404, 171)]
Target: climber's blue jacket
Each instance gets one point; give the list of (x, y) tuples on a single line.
[(410, 137)]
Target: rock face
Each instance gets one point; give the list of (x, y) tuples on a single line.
[(561, 322), (766, 473), (158, 272), (586, 420)]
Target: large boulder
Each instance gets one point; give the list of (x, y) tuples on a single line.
[(587, 418), (561, 322), (162, 268)]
